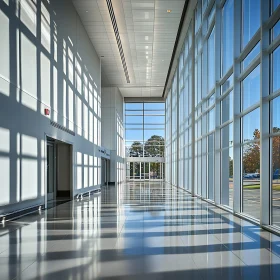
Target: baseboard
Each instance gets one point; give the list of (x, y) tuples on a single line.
[(63, 193)]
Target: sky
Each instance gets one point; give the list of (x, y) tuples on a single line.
[(152, 123)]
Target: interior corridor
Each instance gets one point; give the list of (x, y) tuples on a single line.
[(142, 231)]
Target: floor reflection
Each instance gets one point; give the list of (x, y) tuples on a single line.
[(136, 231)]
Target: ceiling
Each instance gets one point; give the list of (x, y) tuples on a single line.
[(147, 33)]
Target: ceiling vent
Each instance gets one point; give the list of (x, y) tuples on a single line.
[(117, 35)]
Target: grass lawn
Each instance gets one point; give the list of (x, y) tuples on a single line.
[(253, 187)]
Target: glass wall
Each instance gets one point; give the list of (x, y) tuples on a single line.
[(144, 137), (235, 65), (144, 129)]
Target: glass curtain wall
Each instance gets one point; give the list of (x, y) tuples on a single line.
[(174, 131), (144, 137), (229, 68), (144, 129), (168, 162)]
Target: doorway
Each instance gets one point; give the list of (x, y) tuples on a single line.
[(105, 171), (59, 171), (51, 169), (145, 171)]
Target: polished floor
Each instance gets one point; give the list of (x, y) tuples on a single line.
[(142, 231)]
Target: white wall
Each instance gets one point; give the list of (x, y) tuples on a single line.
[(113, 131), (46, 61)]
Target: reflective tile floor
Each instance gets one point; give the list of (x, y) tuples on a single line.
[(142, 231)]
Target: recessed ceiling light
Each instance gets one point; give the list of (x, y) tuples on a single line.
[(168, 11), (86, 11)]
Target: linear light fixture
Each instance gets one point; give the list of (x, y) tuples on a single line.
[(117, 35)]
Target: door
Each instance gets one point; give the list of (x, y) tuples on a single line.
[(146, 171), (103, 171), (50, 171)]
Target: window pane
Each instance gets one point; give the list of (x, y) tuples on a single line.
[(154, 113), (154, 106), (227, 35), (275, 4), (135, 113), (251, 126), (227, 108), (251, 179), (199, 79), (154, 144), (276, 69), (251, 89), (227, 84), (227, 136), (211, 120), (136, 143), (149, 125), (153, 126), (275, 180), (276, 30), (154, 119), (134, 106), (211, 15), (211, 100), (198, 16), (211, 164), (227, 177), (204, 5), (133, 135), (276, 114), (211, 60), (251, 19), (150, 133), (249, 58), (198, 44), (134, 126), (134, 119)]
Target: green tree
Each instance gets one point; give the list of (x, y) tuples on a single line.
[(136, 149), (154, 146)]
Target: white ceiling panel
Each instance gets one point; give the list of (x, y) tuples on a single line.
[(148, 33)]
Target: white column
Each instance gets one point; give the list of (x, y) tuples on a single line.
[(237, 149), (265, 180), (193, 108), (217, 171)]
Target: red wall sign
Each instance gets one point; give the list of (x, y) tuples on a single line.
[(47, 112)]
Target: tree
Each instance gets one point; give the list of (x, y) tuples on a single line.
[(136, 149), (251, 155), (276, 154), (154, 146), (251, 158)]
